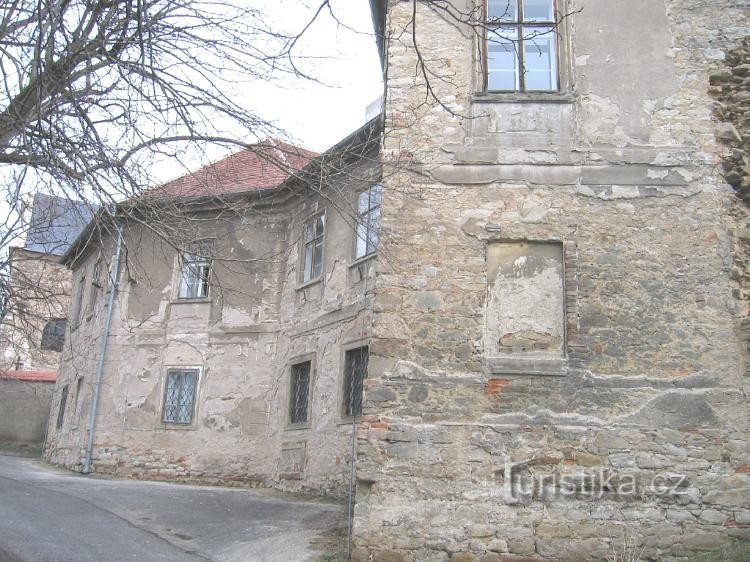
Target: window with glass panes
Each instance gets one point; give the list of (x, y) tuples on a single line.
[(522, 46), (179, 395), (195, 270), (313, 235), (299, 392), (368, 221)]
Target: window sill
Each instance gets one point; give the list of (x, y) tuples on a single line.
[(166, 426), (529, 366), (206, 300), (363, 259), (310, 283), (524, 97), (297, 426)]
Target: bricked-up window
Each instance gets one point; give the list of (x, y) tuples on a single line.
[(355, 372), (299, 392), (313, 235), (522, 46), (195, 271), (63, 402), (53, 334), (179, 395), (368, 221)]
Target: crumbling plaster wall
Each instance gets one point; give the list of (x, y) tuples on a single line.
[(257, 321), (621, 168)]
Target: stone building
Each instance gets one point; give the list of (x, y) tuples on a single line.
[(237, 338), (34, 322), (558, 361)]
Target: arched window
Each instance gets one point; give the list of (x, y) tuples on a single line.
[(53, 335)]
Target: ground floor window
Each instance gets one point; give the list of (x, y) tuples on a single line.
[(179, 395), (299, 393), (355, 372)]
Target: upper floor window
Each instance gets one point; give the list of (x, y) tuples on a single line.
[(313, 235), (368, 221), (195, 270), (522, 46), (53, 335)]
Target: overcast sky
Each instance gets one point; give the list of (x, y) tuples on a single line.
[(346, 63)]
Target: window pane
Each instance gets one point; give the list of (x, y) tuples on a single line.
[(362, 237), (376, 195), (308, 232), (318, 258), (506, 10), (502, 63), (540, 59), (364, 202), (538, 10), (319, 225), (373, 231), (307, 274)]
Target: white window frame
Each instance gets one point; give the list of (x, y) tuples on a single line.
[(194, 262), (523, 37)]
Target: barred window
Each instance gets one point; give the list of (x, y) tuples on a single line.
[(63, 402), (299, 393), (522, 46), (179, 395), (53, 334), (368, 221), (313, 236), (195, 268), (355, 373)]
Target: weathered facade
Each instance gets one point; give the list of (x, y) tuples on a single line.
[(558, 364), (240, 342)]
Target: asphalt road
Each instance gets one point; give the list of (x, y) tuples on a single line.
[(47, 514)]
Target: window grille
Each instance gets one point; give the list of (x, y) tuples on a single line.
[(313, 235), (368, 221), (299, 393), (355, 372), (179, 395)]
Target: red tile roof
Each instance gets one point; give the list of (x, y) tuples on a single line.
[(30, 376), (264, 166)]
